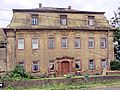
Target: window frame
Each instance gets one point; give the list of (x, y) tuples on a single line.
[(93, 64), (79, 43), (49, 42), (63, 20), (93, 43), (37, 65), (91, 20), (105, 43), (80, 64), (34, 19), (102, 63), (66, 41), (23, 64), (51, 63), (35, 48), (23, 44)]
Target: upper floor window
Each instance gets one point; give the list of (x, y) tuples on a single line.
[(64, 42), (34, 43), (91, 20), (63, 19), (91, 42), (51, 65), (103, 43), (103, 63), (51, 42), (77, 64), (34, 20), (77, 42), (35, 66), (91, 64), (20, 43)]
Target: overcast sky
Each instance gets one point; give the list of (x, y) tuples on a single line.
[(6, 6)]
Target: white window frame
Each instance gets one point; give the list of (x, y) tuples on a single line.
[(77, 42), (79, 64), (51, 42), (103, 43), (35, 43), (34, 20), (104, 63), (63, 20), (51, 64), (91, 42), (91, 64), (91, 20), (64, 42), (34, 64), (21, 44)]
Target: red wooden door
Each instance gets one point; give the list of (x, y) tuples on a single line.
[(64, 67)]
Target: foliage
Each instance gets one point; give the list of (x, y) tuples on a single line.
[(115, 65), (17, 73), (9, 88), (115, 21)]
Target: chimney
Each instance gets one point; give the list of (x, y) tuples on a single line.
[(69, 7), (40, 5)]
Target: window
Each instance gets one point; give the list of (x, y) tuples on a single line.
[(51, 42), (103, 43), (91, 20), (77, 64), (34, 20), (64, 42), (20, 43), (77, 42), (63, 19), (35, 66), (91, 42), (34, 43), (104, 63), (51, 65), (21, 63), (91, 64)]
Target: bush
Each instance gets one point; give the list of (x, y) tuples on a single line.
[(17, 73), (115, 65)]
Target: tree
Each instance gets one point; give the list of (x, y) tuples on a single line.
[(115, 21)]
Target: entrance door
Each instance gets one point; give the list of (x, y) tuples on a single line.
[(64, 67)]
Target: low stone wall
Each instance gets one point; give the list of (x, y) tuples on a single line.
[(38, 83), (113, 72)]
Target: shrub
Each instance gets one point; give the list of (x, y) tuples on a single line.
[(17, 73), (115, 65)]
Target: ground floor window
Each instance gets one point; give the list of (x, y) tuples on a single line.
[(21, 63), (51, 65), (91, 64), (35, 66), (103, 63), (77, 64)]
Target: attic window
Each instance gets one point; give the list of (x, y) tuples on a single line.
[(63, 20), (91, 20), (34, 19)]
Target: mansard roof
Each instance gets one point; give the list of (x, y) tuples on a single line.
[(56, 10)]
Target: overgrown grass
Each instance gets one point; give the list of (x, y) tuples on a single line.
[(73, 86)]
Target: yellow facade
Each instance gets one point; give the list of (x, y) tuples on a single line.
[(49, 26)]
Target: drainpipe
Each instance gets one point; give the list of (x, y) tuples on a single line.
[(14, 47), (108, 67)]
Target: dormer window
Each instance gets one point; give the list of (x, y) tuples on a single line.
[(34, 20), (91, 20), (63, 20)]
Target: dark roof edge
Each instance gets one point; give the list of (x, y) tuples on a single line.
[(57, 11), (12, 29)]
